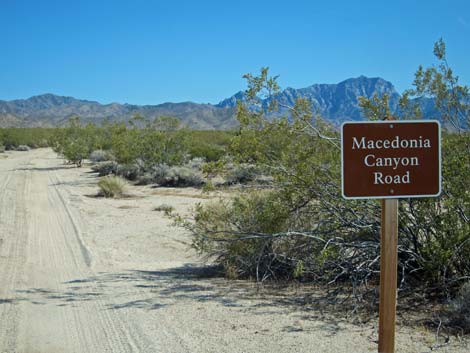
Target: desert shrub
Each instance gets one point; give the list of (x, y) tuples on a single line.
[(145, 178), (207, 151), (42, 143), (124, 143), (105, 168), (167, 209), (112, 186), (210, 145), (11, 138), (177, 176), (129, 171), (100, 156), (74, 142), (220, 167), (152, 143), (208, 186), (23, 148), (242, 174), (195, 163), (437, 231), (144, 143), (236, 234), (160, 172), (459, 309)]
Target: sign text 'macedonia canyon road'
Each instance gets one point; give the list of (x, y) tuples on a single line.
[(390, 159)]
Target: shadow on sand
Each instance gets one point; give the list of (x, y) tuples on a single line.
[(155, 290)]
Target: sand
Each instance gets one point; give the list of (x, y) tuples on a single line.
[(85, 274)]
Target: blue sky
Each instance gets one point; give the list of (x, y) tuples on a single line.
[(150, 52)]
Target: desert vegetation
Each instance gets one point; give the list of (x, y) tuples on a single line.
[(292, 223), (144, 151), (13, 138), (301, 229), (112, 186)]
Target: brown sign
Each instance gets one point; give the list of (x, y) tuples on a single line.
[(391, 159)]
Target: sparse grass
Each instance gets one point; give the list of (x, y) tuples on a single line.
[(112, 186)]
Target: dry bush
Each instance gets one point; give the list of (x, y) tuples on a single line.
[(129, 171), (242, 174), (23, 148), (100, 156), (167, 209), (459, 311), (112, 186), (105, 168), (177, 176)]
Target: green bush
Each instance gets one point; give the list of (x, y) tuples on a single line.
[(148, 145), (112, 186), (75, 142), (237, 233), (210, 145), (11, 138), (207, 151)]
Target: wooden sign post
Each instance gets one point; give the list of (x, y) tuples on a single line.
[(388, 275), (389, 160)]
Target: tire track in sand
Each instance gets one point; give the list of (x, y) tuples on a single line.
[(13, 233)]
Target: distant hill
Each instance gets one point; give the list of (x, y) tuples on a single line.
[(335, 102), (52, 110)]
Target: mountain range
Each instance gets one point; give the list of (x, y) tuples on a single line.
[(334, 102)]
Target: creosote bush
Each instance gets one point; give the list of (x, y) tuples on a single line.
[(112, 186), (11, 138), (236, 234)]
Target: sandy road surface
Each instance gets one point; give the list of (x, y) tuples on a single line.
[(86, 274)]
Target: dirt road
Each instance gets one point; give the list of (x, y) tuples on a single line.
[(86, 274)]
